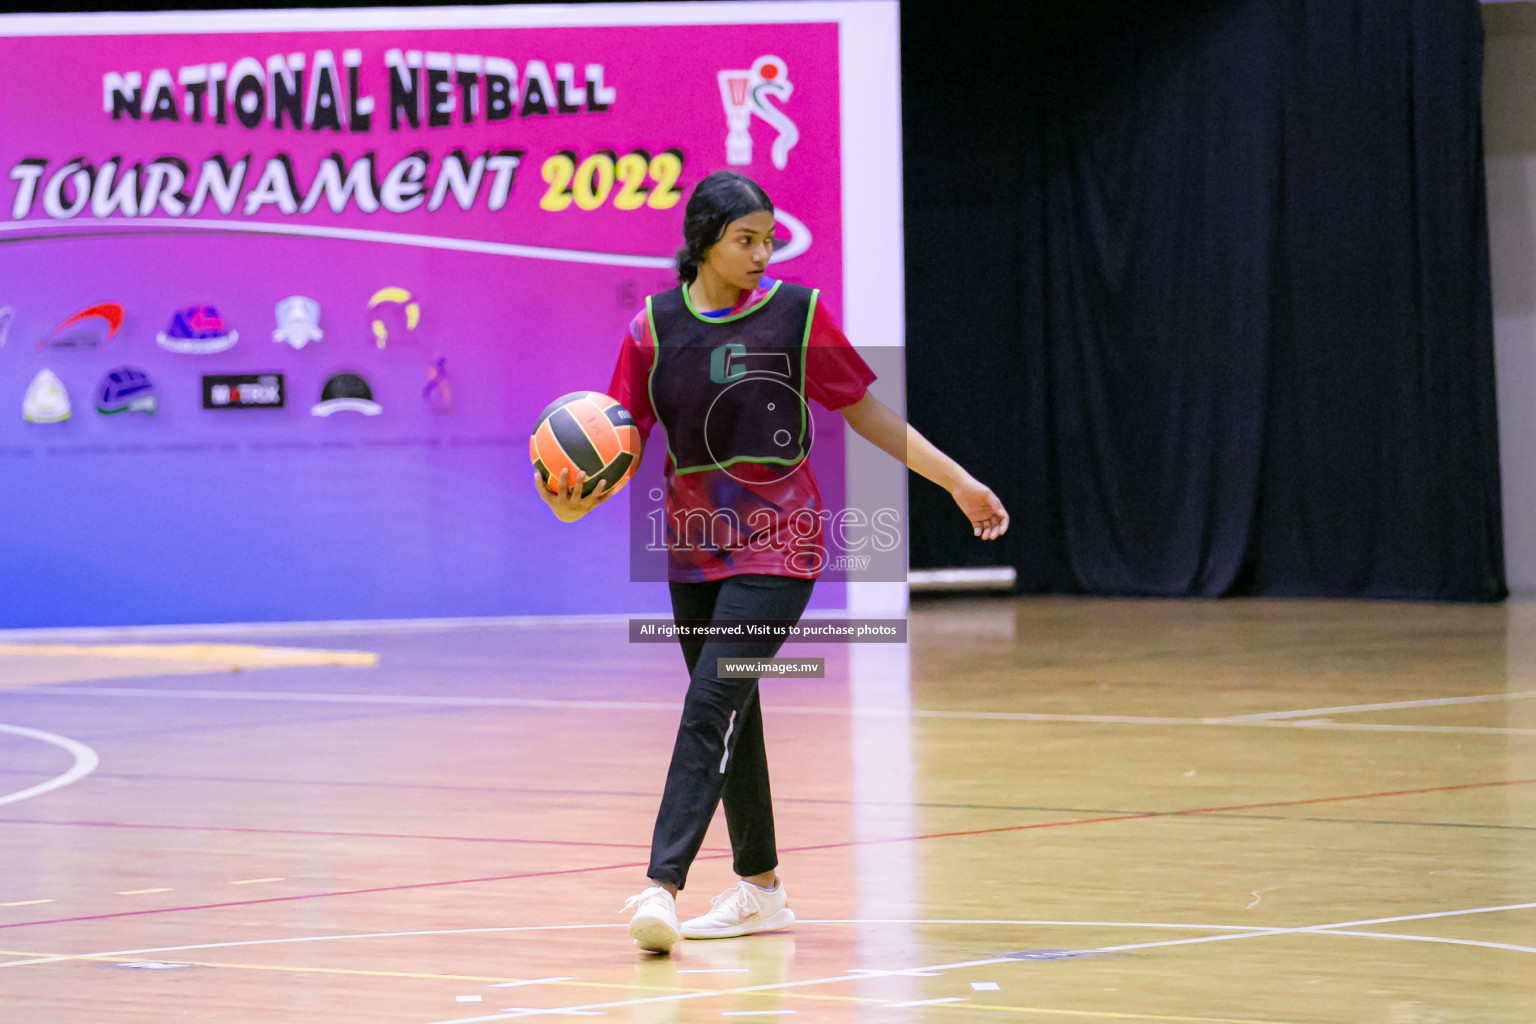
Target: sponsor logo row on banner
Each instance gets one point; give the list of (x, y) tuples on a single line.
[(200, 330), (129, 389)]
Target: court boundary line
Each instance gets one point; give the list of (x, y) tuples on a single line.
[(715, 850), (556, 703), (656, 795), (343, 892), (325, 626), (1147, 815), (154, 827), (49, 958), (356, 972), (680, 992), (1445, 939), (1344, 709), (297, 627), (1332, 928)]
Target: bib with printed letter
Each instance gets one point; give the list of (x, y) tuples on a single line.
[(731, 389)]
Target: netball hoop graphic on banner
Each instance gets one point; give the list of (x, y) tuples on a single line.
[(744, 94)]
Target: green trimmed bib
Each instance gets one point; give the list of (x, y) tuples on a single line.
[(731, 389)]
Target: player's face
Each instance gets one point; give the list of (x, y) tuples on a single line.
[(741, 255)]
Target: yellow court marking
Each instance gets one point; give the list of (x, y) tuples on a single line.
[(25, 903), (139, 892), (256, 881), (280, 969), (243, 654), (1103, 1014), (671, 990)]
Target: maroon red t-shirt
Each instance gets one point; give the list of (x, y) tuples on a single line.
[(775, 525)]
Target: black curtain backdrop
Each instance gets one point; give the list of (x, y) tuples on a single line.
[(1202, 291)]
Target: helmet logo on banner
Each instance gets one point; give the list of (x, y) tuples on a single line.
[(745, 93), (399, 297), (126, 389)]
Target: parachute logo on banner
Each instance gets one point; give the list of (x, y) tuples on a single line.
[(398, 296), (744, 94)]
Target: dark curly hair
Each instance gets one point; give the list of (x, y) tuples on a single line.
[(719, 199)]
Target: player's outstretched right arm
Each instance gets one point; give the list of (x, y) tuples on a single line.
[(872, 419), (568, 505)]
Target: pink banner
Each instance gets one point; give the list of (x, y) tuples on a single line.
[(246, 225)]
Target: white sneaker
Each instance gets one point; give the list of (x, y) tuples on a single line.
[(654, 926), (742, 910)]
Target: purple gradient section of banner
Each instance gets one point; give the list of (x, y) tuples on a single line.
[(201, 515)]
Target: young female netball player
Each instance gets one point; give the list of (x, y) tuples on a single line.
[(710, 361)]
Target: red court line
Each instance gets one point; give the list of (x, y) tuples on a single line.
[(1164, 814), (335, 835), (321, 895), (1367, 796), (791, 849)]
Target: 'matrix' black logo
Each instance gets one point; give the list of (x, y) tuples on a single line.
[(242, 391)]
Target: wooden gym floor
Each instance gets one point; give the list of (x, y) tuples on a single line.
[(1046, 810)]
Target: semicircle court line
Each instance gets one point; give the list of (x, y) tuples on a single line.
[(26, 231), (86, 761)]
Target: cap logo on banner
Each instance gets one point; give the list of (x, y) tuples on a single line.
[(83, 329), (197, 330), (744, 94), (298, 321)]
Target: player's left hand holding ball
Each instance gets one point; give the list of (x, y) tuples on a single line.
[(567, 503), (989, 520)]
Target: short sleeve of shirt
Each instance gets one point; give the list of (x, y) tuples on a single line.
[(836, 375), (628, 385)]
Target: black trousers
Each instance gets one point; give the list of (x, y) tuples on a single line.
[(719, 753)]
